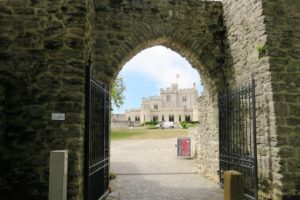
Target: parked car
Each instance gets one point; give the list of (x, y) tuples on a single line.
[(165, 125)]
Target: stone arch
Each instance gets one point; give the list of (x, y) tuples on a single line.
[(210, 83), (200, 40), (123, 30), (47, 44)]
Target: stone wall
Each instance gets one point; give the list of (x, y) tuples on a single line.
[(256, 46), (119, 125), (193, 28), (46, 46), (2, 123), (282, 19), (206, 136), (43, 57), (246, 33), (262, 41)]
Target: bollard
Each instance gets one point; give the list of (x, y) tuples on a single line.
[(58, 175), (233, 185)]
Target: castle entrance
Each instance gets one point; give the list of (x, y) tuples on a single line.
[(46, 45), (178, 26)]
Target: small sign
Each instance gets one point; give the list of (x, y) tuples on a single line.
[(184, 147), (58, 116)]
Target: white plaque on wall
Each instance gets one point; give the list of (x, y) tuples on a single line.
[(58, 116)]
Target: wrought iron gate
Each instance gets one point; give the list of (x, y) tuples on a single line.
[(237, 136), (96, 139)]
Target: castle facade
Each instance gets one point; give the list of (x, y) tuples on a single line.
[(172, 104)]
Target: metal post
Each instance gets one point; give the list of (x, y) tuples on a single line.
[(58, 175), (87, 131), (254, 140)]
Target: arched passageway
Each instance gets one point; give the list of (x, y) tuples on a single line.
[(150, 168), (194, 30), (140, 25), (203, 41), (46, 46)]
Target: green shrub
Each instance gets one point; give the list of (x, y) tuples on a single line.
[(262, 50), (186, 125), (150, 123)]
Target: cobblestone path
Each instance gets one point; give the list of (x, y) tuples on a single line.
[(149, 169)]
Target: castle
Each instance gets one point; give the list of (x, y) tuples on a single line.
[(173, 104)]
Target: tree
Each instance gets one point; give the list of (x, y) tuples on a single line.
[(117, 92)]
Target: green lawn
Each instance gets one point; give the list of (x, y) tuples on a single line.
[(148, 134)]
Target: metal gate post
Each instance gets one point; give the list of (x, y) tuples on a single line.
[(254, 138), (87, 131)]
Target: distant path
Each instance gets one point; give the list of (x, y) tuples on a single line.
[(149, 169)]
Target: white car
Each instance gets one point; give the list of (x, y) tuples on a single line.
[(165, 125)]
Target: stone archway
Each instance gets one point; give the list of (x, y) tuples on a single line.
[(129, 27), (45, 46), (127, 30), (210, 94), (125, 27)]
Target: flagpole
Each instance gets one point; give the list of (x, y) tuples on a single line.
[(177, 77)]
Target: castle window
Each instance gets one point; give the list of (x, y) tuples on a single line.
[(184, 99), (168, 98), (154, 118), (179, 118), (129, 119), (155, 106), (171, 118), (162, 118), (187, 118), (137, 118)]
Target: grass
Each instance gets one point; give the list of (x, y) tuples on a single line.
[(148, 134), (118, 135)]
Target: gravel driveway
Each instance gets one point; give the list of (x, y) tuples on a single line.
[(149, 169)]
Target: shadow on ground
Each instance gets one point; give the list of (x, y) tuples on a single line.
[(161, 185)]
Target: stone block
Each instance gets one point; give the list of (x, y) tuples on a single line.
[(294, 140), (293, 121), (233, 185), (28, 40), (58, 175), (294, 109), (287, 152), (53, 44)]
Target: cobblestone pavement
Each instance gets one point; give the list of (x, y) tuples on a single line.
[(149, 169)]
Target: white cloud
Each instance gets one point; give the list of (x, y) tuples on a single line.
[(163, 65)]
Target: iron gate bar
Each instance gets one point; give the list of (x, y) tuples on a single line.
[(96, 151), (87, 131), (238, 151), (254, 138)]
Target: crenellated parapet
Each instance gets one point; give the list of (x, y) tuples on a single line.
[(152, 98), (133, 110)]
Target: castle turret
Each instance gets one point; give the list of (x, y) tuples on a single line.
[(174, 86)]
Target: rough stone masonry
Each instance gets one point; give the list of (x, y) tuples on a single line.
[(46, 46)]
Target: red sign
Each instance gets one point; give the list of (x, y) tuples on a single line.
[(184, 147)]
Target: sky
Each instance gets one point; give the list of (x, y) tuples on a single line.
[(154, 68)]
